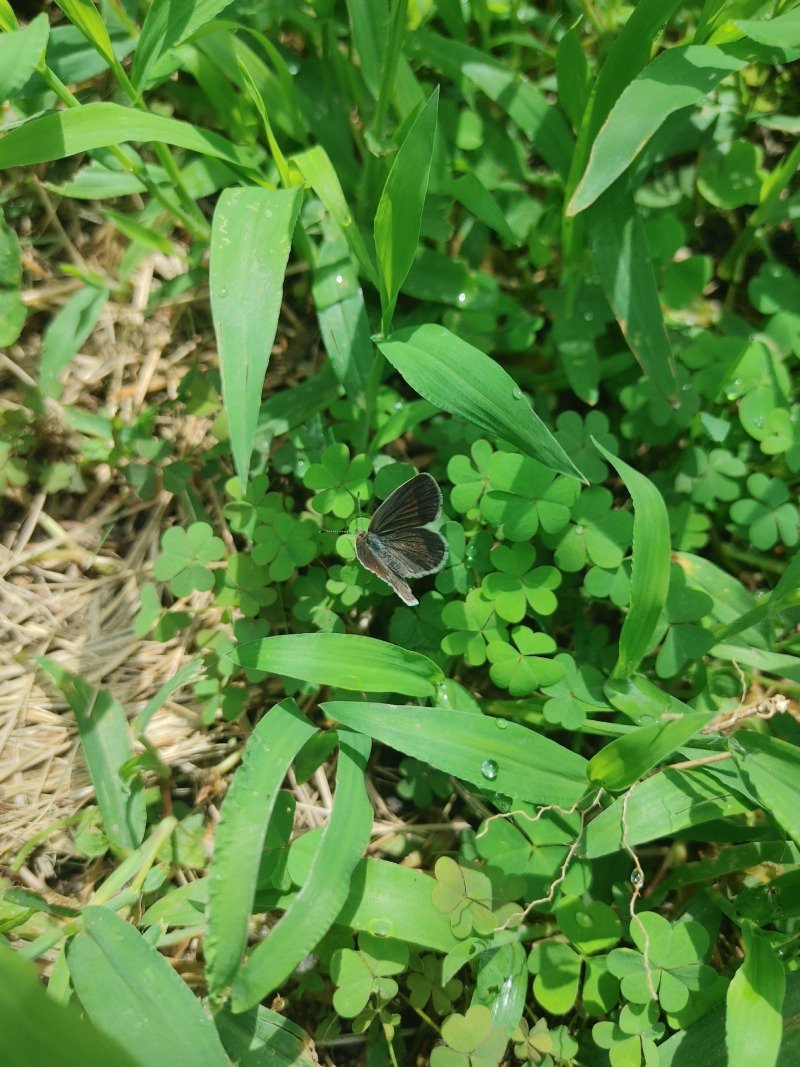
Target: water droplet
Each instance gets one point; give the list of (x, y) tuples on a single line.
[(588, 315), (339, 279), (646, 720), (580, 528), (759, 421), (381, 928), (489, 769), (686, 386), (462, 298), (517, 394), (223, 291), (738, 383), (793, 416), (637, 879), (501, 724)]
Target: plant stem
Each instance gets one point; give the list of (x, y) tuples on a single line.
[(370, 398)]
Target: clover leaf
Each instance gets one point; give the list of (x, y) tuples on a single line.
[(183, 559), (471, 1039), (155, 621), (596, 533), (516, 585), (762, 384), (782, 435), (285, 544), (710, 476), (689, 528), (523, 669), (253, 506), (558, 974), (524, 860), (426, 983), (651, 417), (685, 642), (768, 515), (626, 1049), (671, 955), (532, 1044), (465, 895), (525, 495), (245, 585), (337, 480), (366, 973), (575, 434), (774, 288), (470, 479), (730, 175), (575, 695), (474, 622)]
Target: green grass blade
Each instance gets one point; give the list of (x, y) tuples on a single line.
[(325, 890), (106, 744), (676, 79), (251, 236), (524, 103), (625, 268), (130, 992), (20, 54), (461, 379), (663, 805), (244, 819), (85, 16), (263, 1037), (650, 568), (166, 24), (348, 661), (754, 1003), (83, 129), (399, 215), (491, 754), (43, 1030), (66, 332), (628, 758), (772, 767)]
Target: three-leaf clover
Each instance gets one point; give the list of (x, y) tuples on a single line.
[(362, 974), (420, 783), (183, 559), (575, 695), (337, 481), (525, 859), (685, 641), (710, 476), (575, 434), (471, 1039), (782, 435), (768, 515), (465, 895), (532, 1044), (285, 544), (426, 983), (245, 585), (596, 534), (516, 585), (474, 622), (521, 668), (470, 479), (525, 495)]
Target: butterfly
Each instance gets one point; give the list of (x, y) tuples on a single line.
[(396, 545)]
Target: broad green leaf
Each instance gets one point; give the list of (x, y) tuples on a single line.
[(678, 78), (625, 269), (310, 915), (167, 23), (661, 806), (106, 744), (780, 32), (650, 567), (628, 758), (319, 173), (251, 235), (524, 103), (130, 992), (83, 129), (244, 819), (754, 1003), (263, 1038), (43, 1030), (399, 215), (773, 769), (65, 334), (492, 754), (20, 53), (461, 379), (348, 661)]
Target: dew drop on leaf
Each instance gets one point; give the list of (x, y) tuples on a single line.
[(637, 879), (501, 724), (489, 769), (517, 394), (381, 928)]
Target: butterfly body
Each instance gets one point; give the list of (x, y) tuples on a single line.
[(397, 544)]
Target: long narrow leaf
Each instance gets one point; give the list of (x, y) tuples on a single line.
[(461, 379), (325, 890), (106, 744), (20, 53), (245, 816), (650, 568), (348, 661), (66, 332), (772, 767), (493, 754), (167, 23), (753, 1017), (131, 993), (251, 236)]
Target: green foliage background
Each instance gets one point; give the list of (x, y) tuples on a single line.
[(547, 254)]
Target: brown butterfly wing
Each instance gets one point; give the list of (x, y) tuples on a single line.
[(367, 558), (415, 503), (414, 553)]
